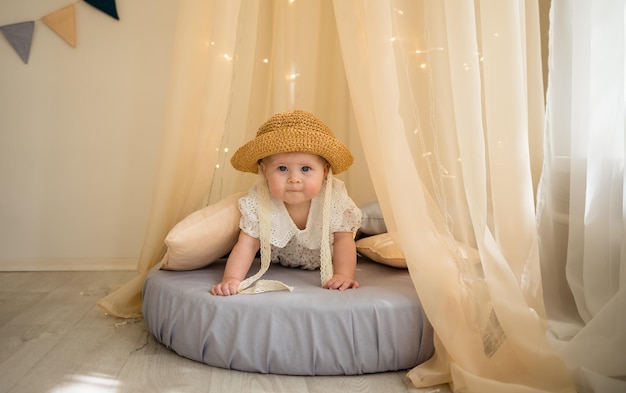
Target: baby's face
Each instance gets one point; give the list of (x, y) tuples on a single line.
[(294, 178)]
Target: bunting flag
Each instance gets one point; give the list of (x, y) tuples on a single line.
[(106, 6), (63, 22), (20, 36)]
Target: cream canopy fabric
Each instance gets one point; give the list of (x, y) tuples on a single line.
[(441, 102), (581, 198)]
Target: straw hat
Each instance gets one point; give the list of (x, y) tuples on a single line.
[(293, 131)]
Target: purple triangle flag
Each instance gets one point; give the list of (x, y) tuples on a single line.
[(20, 36), (106, 6)]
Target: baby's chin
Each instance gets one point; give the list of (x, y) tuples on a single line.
[(294, 198)]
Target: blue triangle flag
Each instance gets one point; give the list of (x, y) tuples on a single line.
[(20, 36), (106, 6)]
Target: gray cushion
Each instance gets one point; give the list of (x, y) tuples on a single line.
[(311, 331)]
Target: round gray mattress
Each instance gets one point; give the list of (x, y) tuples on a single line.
[(311, 331)]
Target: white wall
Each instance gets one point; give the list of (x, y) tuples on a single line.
[(80, 134)]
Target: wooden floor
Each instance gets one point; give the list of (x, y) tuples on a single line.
[(53, 338)]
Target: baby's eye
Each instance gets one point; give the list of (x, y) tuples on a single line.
[(282, 168), (306, 168)]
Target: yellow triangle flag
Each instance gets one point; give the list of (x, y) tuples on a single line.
[(63, 22)]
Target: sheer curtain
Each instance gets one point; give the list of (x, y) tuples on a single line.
[(235, 64), (445, 102), (194, 126), (440, 101), (581, 198)]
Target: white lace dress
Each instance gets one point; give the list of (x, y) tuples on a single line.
[(296, 247)]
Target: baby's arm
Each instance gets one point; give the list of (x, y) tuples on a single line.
[(344, 262), (237, 265)]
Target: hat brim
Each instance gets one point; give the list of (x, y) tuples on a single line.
[(246, 158)]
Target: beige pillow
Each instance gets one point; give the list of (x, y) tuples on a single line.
[(381, 248), (203, 236)]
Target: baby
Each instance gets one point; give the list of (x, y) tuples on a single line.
[(297, 214)]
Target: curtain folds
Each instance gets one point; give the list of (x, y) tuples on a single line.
[(236, 63), (466, 71), (441, 102), (194, 125), (581, 207)]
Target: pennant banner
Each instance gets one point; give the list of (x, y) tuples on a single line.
[(106, 6), (63, 22), (20, 36)]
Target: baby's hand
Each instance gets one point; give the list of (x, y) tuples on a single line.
[(341, 282), (226, 288)]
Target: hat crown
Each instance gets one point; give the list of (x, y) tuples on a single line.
[(292, 131), (294, 120)]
